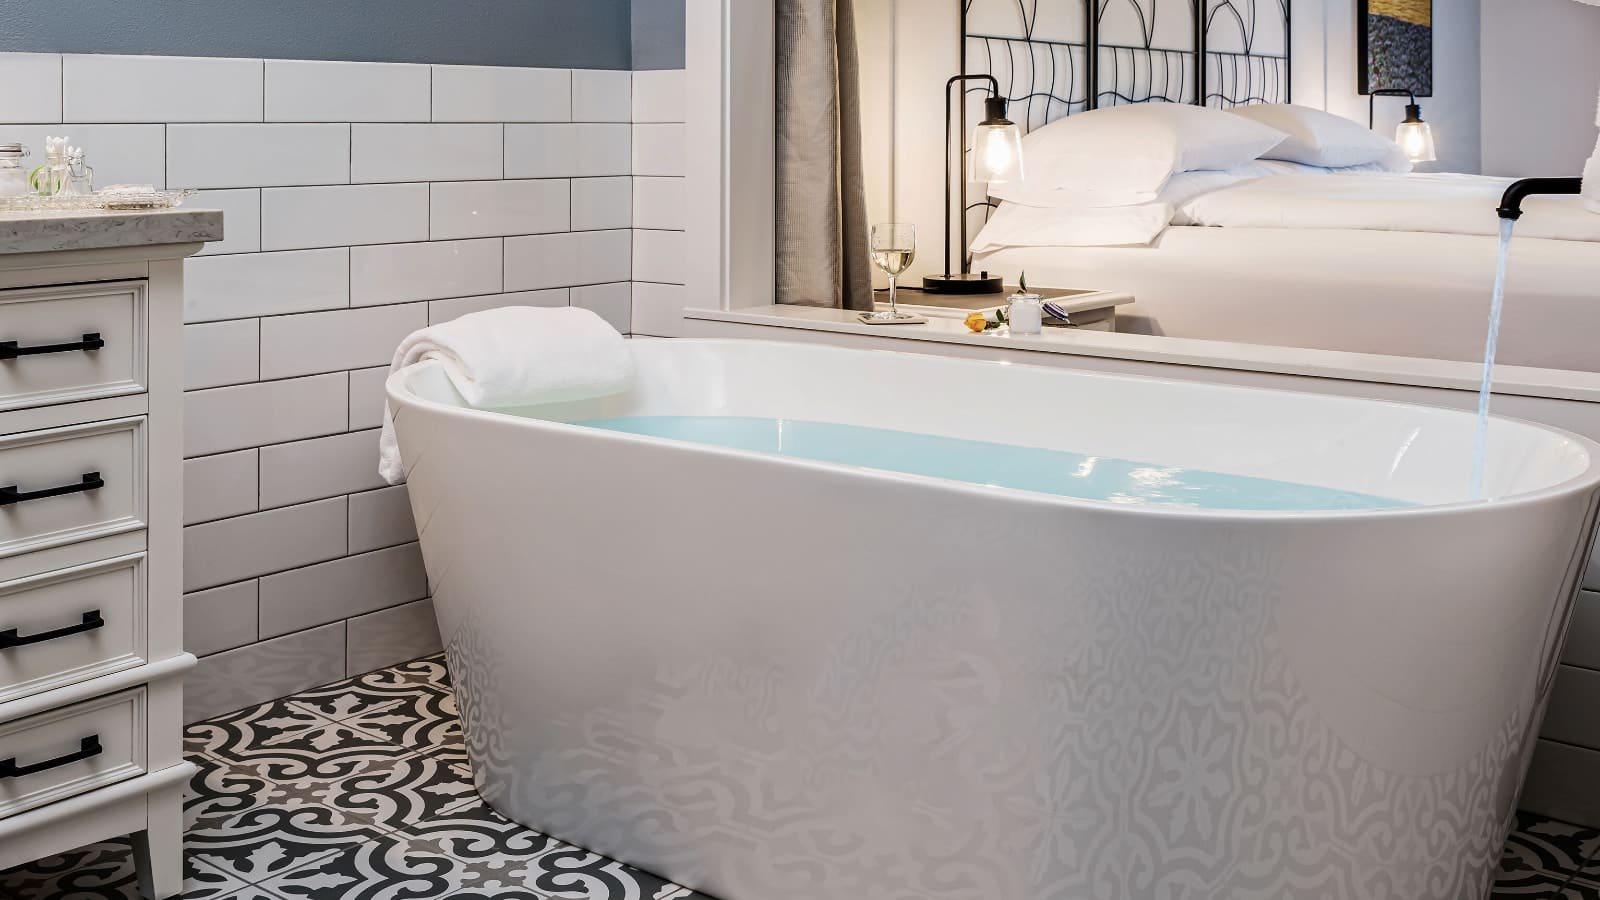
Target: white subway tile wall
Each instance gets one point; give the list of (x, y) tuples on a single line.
[(406, 631), (220, 486), (391, 153), (220, 619), (400, 273), (343, 215), (216, 354), (658, 200), (381, 518), (310, 91), (538, 261), (475, 209), (495, 94), (366, 392), (241, 156), (38, 79), (105, 88), (241, 210), (123, 154), (362, 201)]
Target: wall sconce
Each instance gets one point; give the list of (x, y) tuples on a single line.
[(1414, 136), (995, 158)]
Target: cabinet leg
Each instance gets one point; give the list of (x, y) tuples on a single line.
[(158, 850)]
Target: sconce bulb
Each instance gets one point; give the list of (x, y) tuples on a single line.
[(1416, 139), (996, 153)]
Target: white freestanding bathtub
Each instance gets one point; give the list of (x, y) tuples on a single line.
[(777, 679)]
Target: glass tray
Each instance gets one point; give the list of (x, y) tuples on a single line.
[(120, 200)]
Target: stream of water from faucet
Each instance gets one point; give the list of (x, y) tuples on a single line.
[(1486, 388)]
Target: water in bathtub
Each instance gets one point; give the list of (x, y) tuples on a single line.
[(1002, 465)]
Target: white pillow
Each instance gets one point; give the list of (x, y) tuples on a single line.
[(1081, 226), (1395, 160), (1318, 138), (1122, 155), (1016, 225)]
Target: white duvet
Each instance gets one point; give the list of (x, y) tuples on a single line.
[(1381, 201), (1253, 197)]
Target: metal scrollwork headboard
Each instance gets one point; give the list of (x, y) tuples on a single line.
[(1054, 58)]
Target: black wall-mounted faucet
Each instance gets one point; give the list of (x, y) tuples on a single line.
[(1511, 203)]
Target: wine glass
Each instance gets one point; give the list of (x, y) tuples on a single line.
[(894, 246)]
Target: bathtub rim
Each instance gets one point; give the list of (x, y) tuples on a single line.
[(398, 393)]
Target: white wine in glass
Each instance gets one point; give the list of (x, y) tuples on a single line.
[(894, 246)]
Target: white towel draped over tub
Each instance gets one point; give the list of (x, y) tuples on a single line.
[(515, 356)]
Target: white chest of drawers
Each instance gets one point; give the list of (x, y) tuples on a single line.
[(91, 566)]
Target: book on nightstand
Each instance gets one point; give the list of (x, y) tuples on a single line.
[(1081, 308)]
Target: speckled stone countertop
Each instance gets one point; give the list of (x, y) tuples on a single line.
[(90, 229)]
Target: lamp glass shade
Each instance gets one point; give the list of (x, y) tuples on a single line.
[(1416, 139), (996, 153)]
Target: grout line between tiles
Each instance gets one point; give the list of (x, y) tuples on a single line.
[(1575, 746), (316, 860)]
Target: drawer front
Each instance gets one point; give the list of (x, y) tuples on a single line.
[(65, 752), (71, 484), (43, 355), (68, 626)]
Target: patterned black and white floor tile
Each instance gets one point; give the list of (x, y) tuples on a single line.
[(361, 790), (1546, 858), (106, 871)]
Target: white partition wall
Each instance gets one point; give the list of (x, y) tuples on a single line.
[(730, 141)]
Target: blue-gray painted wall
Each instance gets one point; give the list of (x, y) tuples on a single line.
[(585, 34), (658, 34)]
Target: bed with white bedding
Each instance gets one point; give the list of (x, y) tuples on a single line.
[(1396, 293), (1288, 253)]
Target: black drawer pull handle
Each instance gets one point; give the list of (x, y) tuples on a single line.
[(91, 620), (91, 341), (91, 482), (87, 748)]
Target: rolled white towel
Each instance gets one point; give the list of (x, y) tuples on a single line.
[(515, 356)]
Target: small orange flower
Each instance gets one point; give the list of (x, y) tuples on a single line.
[(977, 322)]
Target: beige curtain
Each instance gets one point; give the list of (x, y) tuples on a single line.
[(822, 218)]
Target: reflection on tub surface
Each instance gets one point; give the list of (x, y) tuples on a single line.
[(770, 678), (1003, 465)]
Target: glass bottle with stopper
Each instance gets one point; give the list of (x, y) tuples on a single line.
[(80, 176)]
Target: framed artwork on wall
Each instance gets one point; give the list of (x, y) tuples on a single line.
[(1395, 45)]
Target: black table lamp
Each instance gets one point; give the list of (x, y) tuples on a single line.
[(995, 158)]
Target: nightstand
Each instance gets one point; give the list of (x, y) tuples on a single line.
[(1086, 310)]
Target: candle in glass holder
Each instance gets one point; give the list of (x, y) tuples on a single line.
[(1026, 315)]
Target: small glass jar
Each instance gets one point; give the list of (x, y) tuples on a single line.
[(80, 175), (1026, 315), (13, 177)]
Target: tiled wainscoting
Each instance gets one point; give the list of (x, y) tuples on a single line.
[(363, 201), (1564, 780)]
